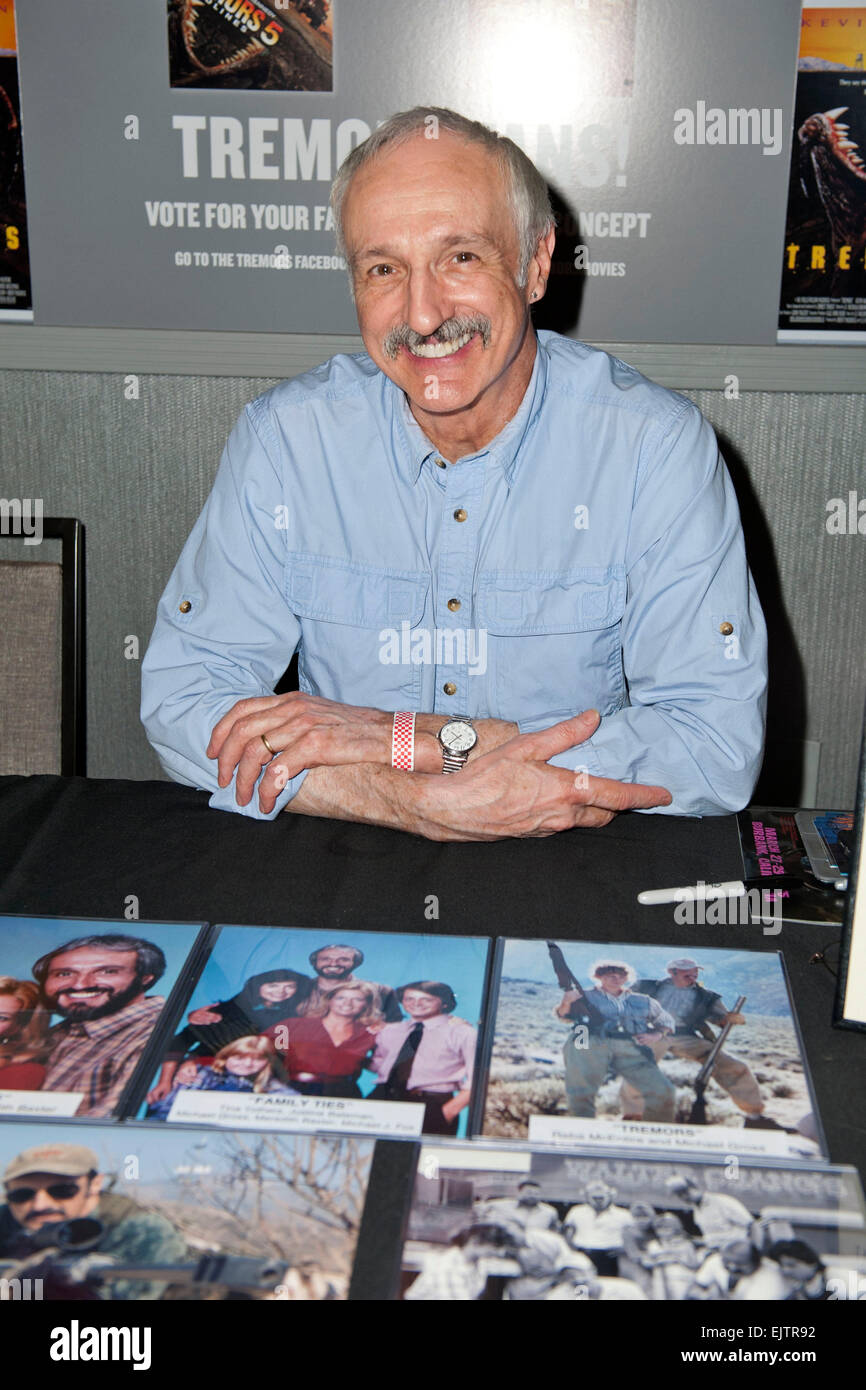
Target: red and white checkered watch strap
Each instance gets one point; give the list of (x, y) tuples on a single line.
[(403, 741)]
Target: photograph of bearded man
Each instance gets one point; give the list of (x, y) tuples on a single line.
[(98, 985)]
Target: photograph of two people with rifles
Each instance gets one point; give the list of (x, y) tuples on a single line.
[(648, 1046)]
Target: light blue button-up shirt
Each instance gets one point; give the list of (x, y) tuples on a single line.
[(591, 554)]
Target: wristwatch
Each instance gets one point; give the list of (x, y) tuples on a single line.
[(457, 738)]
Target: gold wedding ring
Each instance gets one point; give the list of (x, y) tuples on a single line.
[(272, 751)]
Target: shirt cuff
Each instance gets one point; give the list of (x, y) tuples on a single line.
[(223, 799), (582, 757)]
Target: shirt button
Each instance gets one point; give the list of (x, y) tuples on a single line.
[(185, 606), (440, 463), (450, 688), (726, 629), (460, 514), (454, 604)]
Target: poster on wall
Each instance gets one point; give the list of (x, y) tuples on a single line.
[(15, 294), (192, 186), (237, 45), (823, 296)]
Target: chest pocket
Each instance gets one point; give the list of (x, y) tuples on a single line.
[(545, 602), (352, 620), (554, 638)]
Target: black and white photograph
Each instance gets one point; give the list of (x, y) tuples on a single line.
[(546, 1227)]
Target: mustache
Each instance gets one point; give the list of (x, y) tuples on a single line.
[(404, 336)]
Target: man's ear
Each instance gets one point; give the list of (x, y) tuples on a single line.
[(539, 267), (147, 981), (96, 1185)]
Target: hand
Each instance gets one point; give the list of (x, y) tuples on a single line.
[(160, 1090), (206, 1014), (457, 1103), (733, 1018), (306, 730), (647, 1039), (563, 1008), (512, 791)]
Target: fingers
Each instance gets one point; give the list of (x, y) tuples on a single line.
[(546, 743), (243, 709), (616, 796), (237, 740)]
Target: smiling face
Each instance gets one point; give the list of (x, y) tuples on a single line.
[(348, 1003), (277, 990), (10, 1008), (418, 1004), (92, 981), (434, 256), (335, 963), (245, 1063)]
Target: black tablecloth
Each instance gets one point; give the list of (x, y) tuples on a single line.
[(79, 848)]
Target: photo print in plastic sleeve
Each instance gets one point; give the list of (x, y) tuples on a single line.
[(130, 1213), (361, 1032), (80, 1002), (491, 1225), (647, 1047), (282, 46)]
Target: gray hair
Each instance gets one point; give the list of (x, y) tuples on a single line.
[(527, 192)]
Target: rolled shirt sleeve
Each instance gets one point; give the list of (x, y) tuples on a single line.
[(693, 637), (659, 1018), (224, 631)]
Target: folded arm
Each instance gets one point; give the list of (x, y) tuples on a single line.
[(693, 638)]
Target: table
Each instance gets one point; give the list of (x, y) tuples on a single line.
[(79, 848)]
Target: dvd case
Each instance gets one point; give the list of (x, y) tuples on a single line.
[(293, 1028), (82, 1004), (129, 1213), (491, 1224), (646, 1047), (772, 847)]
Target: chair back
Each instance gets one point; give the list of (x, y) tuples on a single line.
[(41, 659)]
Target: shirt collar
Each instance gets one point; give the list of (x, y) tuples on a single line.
[(412, 448), (435, 1022)]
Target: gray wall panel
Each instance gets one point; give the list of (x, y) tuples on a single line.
[(791, 454), (137, 472)]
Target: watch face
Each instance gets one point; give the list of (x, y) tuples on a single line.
[(458, 737)]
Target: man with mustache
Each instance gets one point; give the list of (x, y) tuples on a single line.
[(51, 1184), (564, 529), (98, 985)]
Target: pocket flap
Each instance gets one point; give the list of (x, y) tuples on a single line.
[(339, 591), (530, 602)]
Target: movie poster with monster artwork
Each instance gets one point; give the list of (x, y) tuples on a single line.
[(15, 295), (285, 46), (823, 296)]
